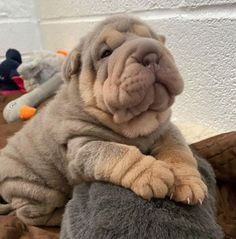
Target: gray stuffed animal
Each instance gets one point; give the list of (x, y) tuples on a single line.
[(42, 78)]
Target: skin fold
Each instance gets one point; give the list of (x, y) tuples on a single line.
[(110, 122)]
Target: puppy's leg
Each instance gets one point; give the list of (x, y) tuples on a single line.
[(188, 186), (120, 164), (34, 204)]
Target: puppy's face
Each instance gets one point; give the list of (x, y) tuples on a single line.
[(125, 71)]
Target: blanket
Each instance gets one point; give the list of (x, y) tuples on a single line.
[(103, 211), (220, 151)]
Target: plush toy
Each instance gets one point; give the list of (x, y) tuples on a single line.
[(10, 81), (42, 78), (65, 53), (40, 68)]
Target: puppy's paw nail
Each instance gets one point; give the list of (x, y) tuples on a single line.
[(200, 201), (171, 196), (188, 200)]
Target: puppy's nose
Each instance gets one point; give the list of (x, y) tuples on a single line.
[(149, 59)]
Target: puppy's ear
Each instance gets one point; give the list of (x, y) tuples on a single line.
[(158, 37), (161, 38), (71, 65)]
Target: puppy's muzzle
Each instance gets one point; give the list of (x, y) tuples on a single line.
[(141, 76)]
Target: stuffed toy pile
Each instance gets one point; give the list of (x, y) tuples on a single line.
[(10, 81), (42, 78)]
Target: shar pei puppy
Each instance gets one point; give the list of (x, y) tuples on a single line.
[(110, 122)]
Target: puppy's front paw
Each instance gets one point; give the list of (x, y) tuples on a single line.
[(189, 189), (149, 178)]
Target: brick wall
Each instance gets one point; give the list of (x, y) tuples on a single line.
[(18, 26)]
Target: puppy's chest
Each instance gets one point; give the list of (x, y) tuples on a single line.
[(145, 145), (99, 133)]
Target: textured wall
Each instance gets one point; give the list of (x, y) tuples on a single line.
[(18, 26), (200, 33)]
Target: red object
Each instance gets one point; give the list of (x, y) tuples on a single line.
[(20, 83), (8, 92)]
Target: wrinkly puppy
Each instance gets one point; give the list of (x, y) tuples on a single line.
[(109, 122)]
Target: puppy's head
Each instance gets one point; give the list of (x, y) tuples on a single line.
[(127, 77)]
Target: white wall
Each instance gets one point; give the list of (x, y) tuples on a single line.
[(200, 33), (18, 27)]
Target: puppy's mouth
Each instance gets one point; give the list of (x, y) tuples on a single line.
[(160, 84), (154, 69)]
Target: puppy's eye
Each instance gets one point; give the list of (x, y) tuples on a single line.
[(106, 53)]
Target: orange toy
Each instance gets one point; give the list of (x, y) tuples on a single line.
[(65, 53), (27, 112)]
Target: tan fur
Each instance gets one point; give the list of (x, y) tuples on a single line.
[(88, 132), (138, 172), (85, 86), (188, 184)]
